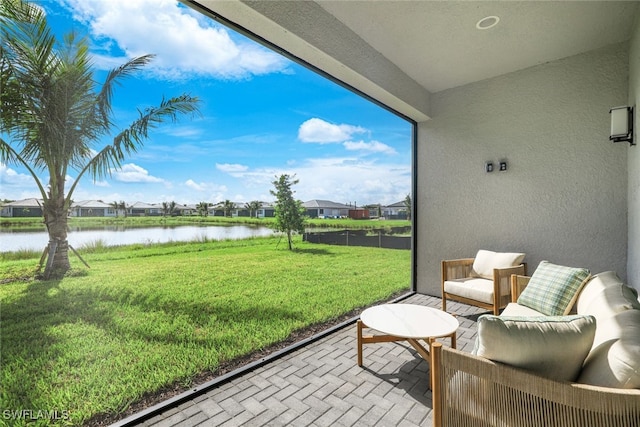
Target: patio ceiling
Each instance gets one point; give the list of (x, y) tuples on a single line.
[(399, 52), (438, 45)]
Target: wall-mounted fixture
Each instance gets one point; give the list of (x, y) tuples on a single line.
[(488, 166), (622, 124), (503, 165), (487, 22)]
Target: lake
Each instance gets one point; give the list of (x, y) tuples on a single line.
[(15, 239)]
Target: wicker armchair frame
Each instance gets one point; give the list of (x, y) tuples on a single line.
[(476, 392)]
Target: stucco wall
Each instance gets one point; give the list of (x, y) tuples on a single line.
[(633, 264), (564, 195)]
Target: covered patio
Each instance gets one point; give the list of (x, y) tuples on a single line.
[(527, 84), (320, 384)]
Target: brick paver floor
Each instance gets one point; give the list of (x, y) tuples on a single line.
[(322, 385)]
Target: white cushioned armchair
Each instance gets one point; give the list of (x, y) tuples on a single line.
[(483, 281)]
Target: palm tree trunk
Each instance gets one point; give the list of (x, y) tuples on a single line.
[(55, 217)]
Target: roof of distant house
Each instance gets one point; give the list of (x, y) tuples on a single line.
[(26, 203), (325, 204), (99, 204), (397, 205)]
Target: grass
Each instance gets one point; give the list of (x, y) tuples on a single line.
[(147, 317)]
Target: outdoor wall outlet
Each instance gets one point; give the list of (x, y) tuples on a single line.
[(488, 167), (503, 165)]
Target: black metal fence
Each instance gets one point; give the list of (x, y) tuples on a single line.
[(369, 238)]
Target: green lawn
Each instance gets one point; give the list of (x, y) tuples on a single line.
[(145, 317)]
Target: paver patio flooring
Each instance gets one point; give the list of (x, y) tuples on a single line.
[(321, 385)]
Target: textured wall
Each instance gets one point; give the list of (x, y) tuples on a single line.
[(633, 263), (564, 195)]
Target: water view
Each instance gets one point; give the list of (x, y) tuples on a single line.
[(15, 239)]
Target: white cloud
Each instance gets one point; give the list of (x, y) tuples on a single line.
[(183, 43), (134, 173), (320, 131), (195, 186), (340, 179), (15, 185), (346, 179), (369, 147), (9, 177), (182, 131), (231, 168)]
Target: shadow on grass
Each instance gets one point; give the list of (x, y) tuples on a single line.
[(314, 251), (42, 328)]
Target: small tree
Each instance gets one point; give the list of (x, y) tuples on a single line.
[(289, 212), (407, 205)]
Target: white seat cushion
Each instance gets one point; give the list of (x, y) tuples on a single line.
[(474, 288), (515, 309)]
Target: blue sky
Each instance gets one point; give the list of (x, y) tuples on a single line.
[(262, 116)]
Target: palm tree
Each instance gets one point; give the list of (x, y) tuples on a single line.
[(168, 208), (227, 207), (123, 206), (203, 208), (253, 207), (55, 114), (116, 207)]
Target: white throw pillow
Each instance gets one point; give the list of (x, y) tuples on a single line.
[(594, 286), (550, 346), (614, 363), (611, 301), (485, 261)]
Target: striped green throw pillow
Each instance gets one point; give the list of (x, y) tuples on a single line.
[(552, 288)]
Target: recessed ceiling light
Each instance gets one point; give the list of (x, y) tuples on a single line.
[(487, 22)]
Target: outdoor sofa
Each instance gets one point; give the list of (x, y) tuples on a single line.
[(573, 364)]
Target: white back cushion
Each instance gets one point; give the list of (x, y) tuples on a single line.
[(485, 261)]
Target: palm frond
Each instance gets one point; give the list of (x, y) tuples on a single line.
[(130, 140), (114, 77), (8, 156)]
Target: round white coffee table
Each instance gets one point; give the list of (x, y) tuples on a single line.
[(406, 322)]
